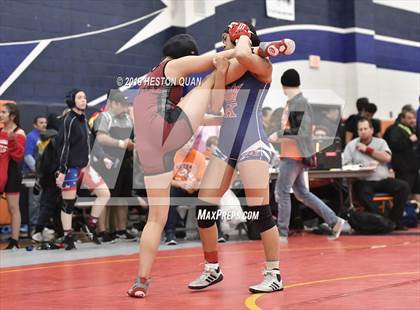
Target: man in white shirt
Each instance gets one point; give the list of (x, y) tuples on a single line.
[(365, 151)]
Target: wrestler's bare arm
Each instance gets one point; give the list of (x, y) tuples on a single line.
[(185, 66), (260, 66)]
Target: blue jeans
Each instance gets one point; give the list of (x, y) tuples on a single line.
[(291, 176)]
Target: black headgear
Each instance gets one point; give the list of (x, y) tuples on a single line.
[(71, 96), (179, 46), (255, 40)]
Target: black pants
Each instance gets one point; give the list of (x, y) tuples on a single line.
[(399, 189), (49, 208), (176, 192), (412, 178)]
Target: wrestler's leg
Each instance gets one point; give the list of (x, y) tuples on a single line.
[(215, 183), (255, 178), (195, 104)]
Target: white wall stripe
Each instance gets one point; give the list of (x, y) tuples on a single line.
[(396, 40), (338, 30), (316, 27), (23, 65), (408, 5), (85, 34)]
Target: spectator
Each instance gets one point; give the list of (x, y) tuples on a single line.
[(275, 120), (28, 167), (331, 126), (46, 166), (204, 133), (31, 151), (366, 151), (296, 151), (12, 146), (334, 124), (407, 107), (368, 113), (405, 146), (114, 133), (275, 125), (189, 168), (266, 117), (351, 122), (211, 145), (320, 132)]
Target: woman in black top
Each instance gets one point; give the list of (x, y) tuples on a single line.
[(74, 168)]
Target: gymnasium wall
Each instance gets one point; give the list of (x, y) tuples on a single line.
[(366, 48)]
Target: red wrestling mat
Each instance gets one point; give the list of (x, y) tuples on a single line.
[(354, 272)]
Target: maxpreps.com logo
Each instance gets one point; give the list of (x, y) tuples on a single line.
[(204, 214), (231, 100)]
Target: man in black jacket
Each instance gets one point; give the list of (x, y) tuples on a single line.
[(405, 147), (46, 166)]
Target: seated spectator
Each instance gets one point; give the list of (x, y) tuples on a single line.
[(189, 168), (366, 151), (405, 146), (351, 122)]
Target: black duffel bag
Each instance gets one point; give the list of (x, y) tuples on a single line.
[(370, 223)]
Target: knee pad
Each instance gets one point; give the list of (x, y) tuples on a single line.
[(265, 219), (68, 206), (206, 214)]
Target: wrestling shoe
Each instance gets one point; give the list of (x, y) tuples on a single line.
[(211, 275), (68, 243), (272, 282), (139, 288)]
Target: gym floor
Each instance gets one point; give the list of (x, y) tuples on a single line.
[(353, 272)]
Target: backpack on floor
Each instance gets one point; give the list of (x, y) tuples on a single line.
[(370, 223), (410, 215)]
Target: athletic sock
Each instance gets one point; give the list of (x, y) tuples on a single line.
[(271, 265), (211, 257)]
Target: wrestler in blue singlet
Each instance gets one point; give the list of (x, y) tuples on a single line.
[(242, 136)]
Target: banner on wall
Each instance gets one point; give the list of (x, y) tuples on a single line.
[(280, 9)]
